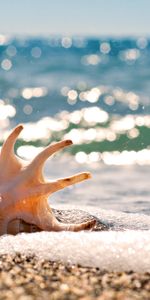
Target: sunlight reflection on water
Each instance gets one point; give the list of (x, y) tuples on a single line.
[(64, 88)]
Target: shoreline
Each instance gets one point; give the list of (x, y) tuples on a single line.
[(27, 278)]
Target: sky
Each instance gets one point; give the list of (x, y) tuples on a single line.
[(75, 17)]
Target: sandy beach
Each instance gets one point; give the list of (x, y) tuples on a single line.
[(27, 278)]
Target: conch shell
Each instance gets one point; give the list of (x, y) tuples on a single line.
[(24, 192)]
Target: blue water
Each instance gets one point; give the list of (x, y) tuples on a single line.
[(53, 76), (111, 64)]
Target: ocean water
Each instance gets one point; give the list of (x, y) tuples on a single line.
[(97, 93)]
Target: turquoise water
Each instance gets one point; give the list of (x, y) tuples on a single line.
[(94, 91)]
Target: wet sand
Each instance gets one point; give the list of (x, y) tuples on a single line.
[(26, 278)]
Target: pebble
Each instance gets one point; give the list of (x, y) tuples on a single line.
[(27, 278)]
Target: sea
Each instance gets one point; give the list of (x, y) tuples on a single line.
[(96, 92)]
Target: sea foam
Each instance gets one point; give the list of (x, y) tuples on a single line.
[(113, 250)]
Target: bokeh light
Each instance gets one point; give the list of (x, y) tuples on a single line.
[(80, 89)]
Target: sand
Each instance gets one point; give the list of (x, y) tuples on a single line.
[(27, 278)]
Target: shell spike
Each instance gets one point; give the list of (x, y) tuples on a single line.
[(8, 146), (37, 164), (64, 182), (9, 163), (76, 227), (54, 186)]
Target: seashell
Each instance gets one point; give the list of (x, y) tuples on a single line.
[(24, 192)]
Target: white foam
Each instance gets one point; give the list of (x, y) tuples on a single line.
[(113, 251), (109, 250)]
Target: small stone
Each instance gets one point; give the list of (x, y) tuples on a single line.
[(64, 287)]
